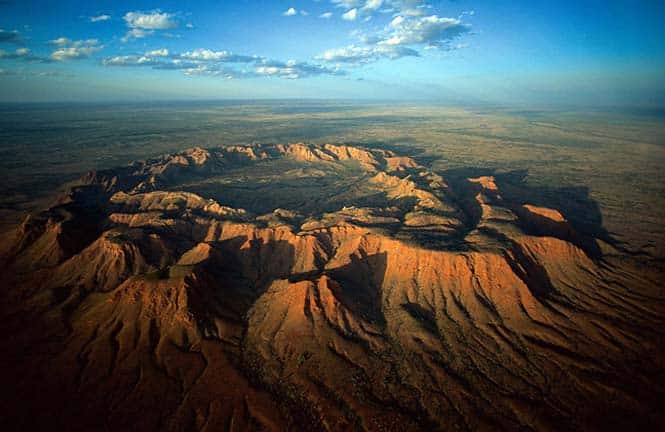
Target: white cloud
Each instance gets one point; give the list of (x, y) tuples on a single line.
[(304, 13), (397, 21), (373, 4), (347, 4), (63, 41), (212, 71), (403, 7), (290, 12), (410, 7), (204, 54), (326, 15), (293, 69), (59, 41), (431, 30), (360, 55), (407, 33), (350, 15), (99, 18), (154, 20), (267, 70), (129, 61), (74, 53), (207, 55), (370, 7), (351, 53), (221, 63), (23, 55), (188, 59), (157, 53), (136, 34), (74, 49)]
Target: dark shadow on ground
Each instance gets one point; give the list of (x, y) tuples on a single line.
[(573, 202)]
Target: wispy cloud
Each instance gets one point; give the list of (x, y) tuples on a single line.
[(66, 49), (220, 71), (347, 4), (211, 55), (366, 54), (11, 36), (290, 12), (99, 18), (24, 73), (59, 41), (22, 54), (136, 34), (74, 53), (412, 8), (326, 15), (63, 41), (222, 63), (163, 52), (74, 49), (293, 69), (373, 4), (368, 7), (131, 61), (350, 15)]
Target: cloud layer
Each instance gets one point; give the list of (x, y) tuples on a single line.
[(410, 30), (403, 29), (221, 63)]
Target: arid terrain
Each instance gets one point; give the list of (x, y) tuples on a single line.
[(355, 284), (332, 216)]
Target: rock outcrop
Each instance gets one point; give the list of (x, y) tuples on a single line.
[(441, 308)]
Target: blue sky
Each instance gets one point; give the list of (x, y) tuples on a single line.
[(539, 52)]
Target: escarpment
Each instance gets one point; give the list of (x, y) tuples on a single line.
[(331, 287)]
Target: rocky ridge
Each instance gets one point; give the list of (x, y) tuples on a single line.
[(444, 307)]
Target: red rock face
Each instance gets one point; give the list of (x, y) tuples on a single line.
[(136, 305)]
